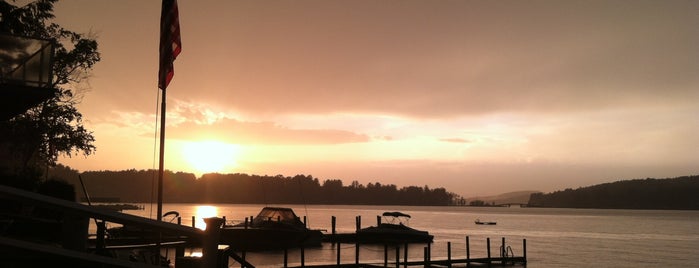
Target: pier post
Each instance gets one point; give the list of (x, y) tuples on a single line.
[(397, 256), (449, 254), (385, 255), (333, 222), (356, 253), (425, 257), (503, 251), (338, 253), (224, 221), (488, 245), (405, 255), (194, 222), (209, 247), (304, 222), (378, 220), (286, 257), (468, 251), (524, 249), (429, 252), (303, 257), (358, 222)]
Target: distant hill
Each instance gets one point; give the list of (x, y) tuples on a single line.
[(672, 193), (521, 197)]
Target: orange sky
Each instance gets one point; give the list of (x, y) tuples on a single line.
[(479, 97)]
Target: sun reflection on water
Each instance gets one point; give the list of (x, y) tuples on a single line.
[(204, 212)]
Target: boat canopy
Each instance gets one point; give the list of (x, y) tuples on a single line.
[(395, 214), (276, 214)]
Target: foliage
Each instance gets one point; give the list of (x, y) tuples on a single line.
[(55, 127), (676, 193)]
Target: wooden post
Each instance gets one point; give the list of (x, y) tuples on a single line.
[(303, 257), (179, 220), (468, 251), (209, 247), (101, 233), (488, 245), (429, 252), (194, 222), (224, 221), (385, 255), (246, 223), (338, 252), (449, 254), (358, 222), (378, 220), (304, 222), (425, 259), (397, 256), (405, 255), (503, 251), (333, 222), (356, 253), (524, 249), (286, 257)]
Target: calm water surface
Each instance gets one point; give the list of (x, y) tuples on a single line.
[(555, 237)]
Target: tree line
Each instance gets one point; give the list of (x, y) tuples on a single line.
[(179, 187), (672, 193)]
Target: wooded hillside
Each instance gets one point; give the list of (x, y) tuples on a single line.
[(675, 193)]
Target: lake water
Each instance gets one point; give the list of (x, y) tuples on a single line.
[(555, 237)]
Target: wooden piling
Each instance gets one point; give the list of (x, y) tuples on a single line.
[(468, 250), (397, 256), (405, 255), (425, 257), (194, 222), (338, 253), (488, 245), (303, 257), (385, 255), (286, 258), (333, 223), (524, 249), (449, 254), (356, 253), (209, 247)]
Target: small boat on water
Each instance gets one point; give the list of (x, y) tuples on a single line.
[(272, 229), (393, 229), (478, 221)]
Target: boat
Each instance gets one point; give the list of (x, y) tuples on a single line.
[(273, 228), (393, 229), (478, 221)]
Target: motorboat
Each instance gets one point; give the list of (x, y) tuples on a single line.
[(478, 221), (393, 229), (273, 228)]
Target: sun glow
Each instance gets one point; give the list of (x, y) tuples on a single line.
[(211, 156), (203, 212)]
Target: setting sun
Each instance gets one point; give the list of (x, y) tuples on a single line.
[(210, 156)]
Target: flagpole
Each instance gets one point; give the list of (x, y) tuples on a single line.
[(161, 164), (170, 47)]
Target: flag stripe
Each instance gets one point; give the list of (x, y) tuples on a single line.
[(170, 43)]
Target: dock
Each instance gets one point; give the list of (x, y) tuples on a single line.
[(73, 246)]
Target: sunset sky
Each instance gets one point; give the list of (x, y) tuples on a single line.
[(478, 97)]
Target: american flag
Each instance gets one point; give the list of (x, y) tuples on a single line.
[(170, 43)]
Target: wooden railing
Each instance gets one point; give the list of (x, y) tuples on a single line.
[(73, 244)]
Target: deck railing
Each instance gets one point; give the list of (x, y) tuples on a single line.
[(73, 241)]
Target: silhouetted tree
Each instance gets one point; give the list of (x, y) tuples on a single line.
[(53, 128)]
